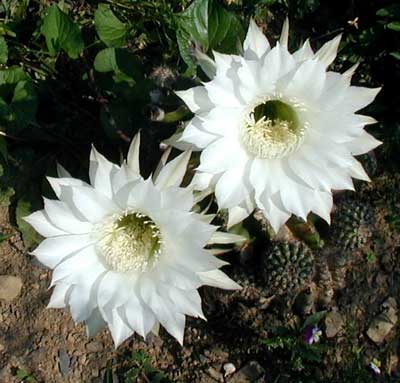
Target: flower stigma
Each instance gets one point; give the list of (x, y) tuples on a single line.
[(272, 130), (129, 242)]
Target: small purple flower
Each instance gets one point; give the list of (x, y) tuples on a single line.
[(375, 366), (312, 335)]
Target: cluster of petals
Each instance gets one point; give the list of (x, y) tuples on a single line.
[(325, 103), (132, 299)]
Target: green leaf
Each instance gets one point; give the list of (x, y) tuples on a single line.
[(8, 78), (12, 75), (185, 49), (3, 51), (314, 319), (208, 25), (395, 26), (61, 33), (390, 11), (29, 235), (118, 60), (21, 110), (24, 103), (21, 374), (396, 55), (110, 29)]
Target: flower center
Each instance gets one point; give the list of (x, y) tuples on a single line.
[(272, 130), (129, 242)]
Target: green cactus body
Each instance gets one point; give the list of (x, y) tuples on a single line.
[(287, 267), (350, 229)]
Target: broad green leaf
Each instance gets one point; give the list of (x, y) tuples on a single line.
[(186, 49), (209, 26), (29, 235), (3, 51), (61, 33), (8, 79), (24, 103), (12, 75), (389, 11), (112, 31), (314, 319), (5, 110), (118, 60), (395, 26), (22, 109), (396, 55)]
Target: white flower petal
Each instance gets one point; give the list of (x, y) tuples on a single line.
[(256, 44), (139, 195), (226, 238), (277, 63), (73, 269), (82, 299), (206, 63), (92, 205), (194, 132), (119, 328), (349, 72), (172, 321), (304, 53), (115, 288), (217, 278), (197, 99), (62, 172), (236, 214), (187, 302), (162, 162), (57, 183), (61, 216), (133, 155), (323, 203), (274, 210), (358, 97), (308, 81), (53, 250), (357, 171), (327, 53), (139, 317), (231, 189), (222, 96), (202, 181), (59, 296), (284, 39), (172, 173), (175, 142), (123, 176), (41, 223), (180, 277), (362, 144), (221, 155), (100, 173), (177, 198)]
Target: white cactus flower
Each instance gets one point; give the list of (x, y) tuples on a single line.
[(128, 252), (277, 130)]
